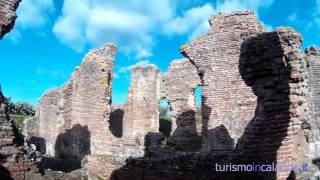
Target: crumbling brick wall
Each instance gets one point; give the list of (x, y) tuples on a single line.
[(178, 85), (48, 116), (313, 59), (85, 100), (90, 99), (76, 119), (226, 100), (14, 162), (141, 109), (7, 15), (273, 66)]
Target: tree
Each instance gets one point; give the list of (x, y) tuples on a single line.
[(20, 108)]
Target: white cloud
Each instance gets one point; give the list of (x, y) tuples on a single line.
[(190, 20), (34, 13), (132, 25), (142, 63), (128, 24)]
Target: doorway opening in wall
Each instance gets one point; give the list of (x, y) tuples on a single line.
[(116, 121), (198, 116), (165, 118)]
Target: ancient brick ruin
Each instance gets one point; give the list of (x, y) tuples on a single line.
[(13, 163), (226, 100), (178, 85), (7, 15), (259, 105), (141, 109), (77, 114), (17, 161), (313, 60), (273, 65)]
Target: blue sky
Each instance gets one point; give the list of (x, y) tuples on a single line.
[(52, 36)]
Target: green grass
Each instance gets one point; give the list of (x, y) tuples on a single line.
[(19, 120)]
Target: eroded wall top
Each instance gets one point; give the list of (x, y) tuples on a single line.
[(228, 104), (82, 106), (7, 15)]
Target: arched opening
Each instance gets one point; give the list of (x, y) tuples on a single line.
[(165, 118)]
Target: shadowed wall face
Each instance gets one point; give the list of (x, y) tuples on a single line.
[(273, 66), (73, 144), (228, 100), (116, 122), (177, 87)]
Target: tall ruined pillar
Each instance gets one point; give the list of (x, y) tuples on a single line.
[(227, 103), (178, 86), (313, 59), (141, 109), (7, 15), (77, 114), (273, 66)]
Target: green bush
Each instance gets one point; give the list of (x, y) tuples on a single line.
[(19, 120), (20, 108)]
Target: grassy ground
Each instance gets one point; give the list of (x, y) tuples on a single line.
[(19, 120)]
